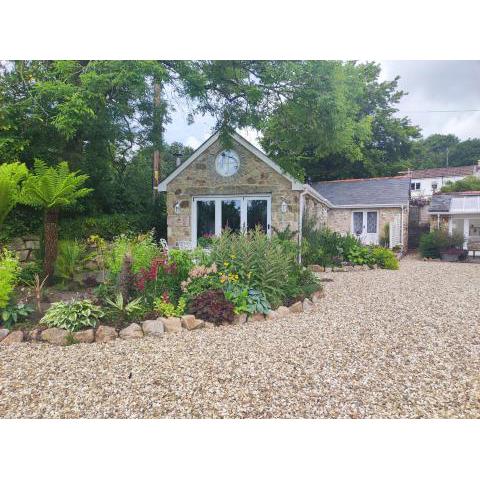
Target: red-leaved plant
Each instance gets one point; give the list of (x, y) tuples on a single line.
[(212, 306)]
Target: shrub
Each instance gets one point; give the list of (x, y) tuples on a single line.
[(165, 308), (13, 313), (470, 183), (259, 262), (71, 259), (360, 255), (28, 272), (321, 246), (434, 242), (123, 309), (212, 306), (384, 258), (108, 226), (9, 271), (142, 248), (73, 315)]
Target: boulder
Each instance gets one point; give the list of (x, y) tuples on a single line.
[(14, 337), (297, 307), (338, 269), (33, 335), (85, 336), (328, 269), (209, 325), (105, 334), (282, 312), (172, 324), (240, 319), (55, 336), (348, 268), (317, 296), (191, 323), (374, 266), (271, 315), (308, 305), (3, 333), (134, 330), (256, 317), (153, 327), (316, 268)]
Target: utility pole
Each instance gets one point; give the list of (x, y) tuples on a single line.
[(157, 134)]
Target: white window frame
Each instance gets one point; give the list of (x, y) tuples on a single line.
[(218, 213)]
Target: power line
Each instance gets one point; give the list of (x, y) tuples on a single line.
[(439, 111)]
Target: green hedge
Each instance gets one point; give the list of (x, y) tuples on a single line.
[(109, 226)]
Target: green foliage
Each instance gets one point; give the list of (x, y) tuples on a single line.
[(433, 243), (470, 183), (142, 248), (11, 314), (360, 255), (125, 310), (167, 309), (385, 236), (259, 262), (71, 259), (320, 246), (384, 258), (28, 272), (53, 187), (11, 176), (73, 315), (107, 226), (9, 271)]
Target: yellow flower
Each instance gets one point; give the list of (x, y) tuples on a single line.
[(225, 264)]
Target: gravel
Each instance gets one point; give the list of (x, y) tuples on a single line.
[(381, 344)]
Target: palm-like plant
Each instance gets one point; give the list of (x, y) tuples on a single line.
[(50, 189), (11, 175)]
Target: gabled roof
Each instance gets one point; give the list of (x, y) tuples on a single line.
[(296, 185), (381, 191), (443, 172)]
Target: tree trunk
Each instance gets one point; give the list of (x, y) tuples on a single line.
[(51, 242)]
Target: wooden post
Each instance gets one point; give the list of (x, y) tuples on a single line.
[(157, 132)]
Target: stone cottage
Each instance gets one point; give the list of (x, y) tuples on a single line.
[(241, 188)]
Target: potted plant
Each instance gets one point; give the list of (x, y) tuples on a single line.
[(453, 254)]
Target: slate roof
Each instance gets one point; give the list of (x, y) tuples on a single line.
[(440, 203), (444, 172), (366, 191)]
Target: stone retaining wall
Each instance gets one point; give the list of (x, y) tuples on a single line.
[(26, 247)]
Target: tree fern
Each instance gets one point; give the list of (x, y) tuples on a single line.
[(11, 175)]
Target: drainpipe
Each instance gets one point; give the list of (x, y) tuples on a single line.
[(401, 229), (300, 225), (438, 221)]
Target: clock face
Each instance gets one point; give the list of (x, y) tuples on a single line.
[(227, 163)]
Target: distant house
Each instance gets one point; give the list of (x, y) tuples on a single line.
[(424, 183), (239, 187), (364, 206), (458, 212)]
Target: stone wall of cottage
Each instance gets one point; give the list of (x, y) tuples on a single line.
[(317, 210), (254, 177), (340, 220)]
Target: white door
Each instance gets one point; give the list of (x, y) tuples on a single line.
[(213, 214), (365, 226)]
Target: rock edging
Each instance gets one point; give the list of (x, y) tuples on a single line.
[(158, 327)]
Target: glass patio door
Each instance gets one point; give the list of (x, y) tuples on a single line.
[(365, 225), (212, 215)]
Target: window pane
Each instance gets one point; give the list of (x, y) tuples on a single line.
[(474, 228), (231, 215), (357, 223), (205, 218), (257, 214), (371, 222)]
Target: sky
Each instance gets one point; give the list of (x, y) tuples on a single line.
[(431, 86)]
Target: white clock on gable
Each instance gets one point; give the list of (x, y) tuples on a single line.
[(227, 163)]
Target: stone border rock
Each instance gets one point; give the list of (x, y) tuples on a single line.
[(158, 327), (342, 268)]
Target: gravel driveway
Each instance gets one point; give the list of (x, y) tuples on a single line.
[(383, 344)]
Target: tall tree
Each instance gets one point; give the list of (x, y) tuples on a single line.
[(50, 189), (337, 121)]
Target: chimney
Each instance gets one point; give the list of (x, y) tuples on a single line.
[(178, 161)]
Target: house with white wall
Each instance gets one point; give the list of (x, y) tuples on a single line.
[(424, 183)]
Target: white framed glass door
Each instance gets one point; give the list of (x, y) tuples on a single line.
[(365, 225), (213, 214)]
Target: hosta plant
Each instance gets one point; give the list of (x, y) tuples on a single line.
[(73, 315), (14, 313)]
